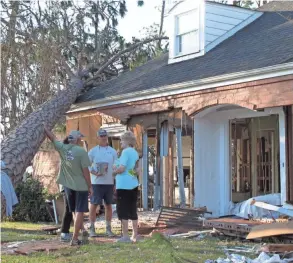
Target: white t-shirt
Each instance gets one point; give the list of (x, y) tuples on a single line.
[(100, 154)]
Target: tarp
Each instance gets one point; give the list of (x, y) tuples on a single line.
[(247, 211)]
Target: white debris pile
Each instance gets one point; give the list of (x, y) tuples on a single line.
[(262, 258)]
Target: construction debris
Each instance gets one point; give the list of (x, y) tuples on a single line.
[(177, 217), (262, 258), (192, 234), (274, 208), (277, 248), (269, 230)]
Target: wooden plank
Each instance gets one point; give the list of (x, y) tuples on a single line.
[(268, 230), (165, 181), (180, 167), (191, 183)]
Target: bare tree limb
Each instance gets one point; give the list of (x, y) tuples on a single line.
[(116, 56)]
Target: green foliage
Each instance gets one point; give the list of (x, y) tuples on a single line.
[(31, 206)]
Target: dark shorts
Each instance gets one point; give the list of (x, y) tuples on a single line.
[(127, 204), (102, 192), (77, 200)]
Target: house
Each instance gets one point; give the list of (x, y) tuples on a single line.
[(217, 108)]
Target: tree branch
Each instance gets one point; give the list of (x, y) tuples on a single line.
[(116, 56)]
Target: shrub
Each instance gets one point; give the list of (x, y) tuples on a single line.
[(31, 206)]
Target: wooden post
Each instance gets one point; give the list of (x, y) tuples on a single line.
[(180, 167), (191, 182), (145, 171), (163, 153), (171, 174), (289, 129), (165, 181), (157, 174)]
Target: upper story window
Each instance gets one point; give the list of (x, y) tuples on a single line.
[(187, 33)]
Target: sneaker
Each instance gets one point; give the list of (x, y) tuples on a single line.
[(93, 232), (65, 237), (109, 232), (75, 242), (85, 236), (123, 240)]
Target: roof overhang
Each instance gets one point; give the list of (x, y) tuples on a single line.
[(190, 86)]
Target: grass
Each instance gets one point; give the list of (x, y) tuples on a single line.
[(156, 249)]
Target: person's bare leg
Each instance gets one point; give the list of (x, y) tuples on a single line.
[(93, 211), (125, 228), (108, 216), (78, 222), (134, 230)]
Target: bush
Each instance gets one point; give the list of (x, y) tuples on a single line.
[(31, 206)]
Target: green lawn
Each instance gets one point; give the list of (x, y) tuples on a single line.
[(155, 249)]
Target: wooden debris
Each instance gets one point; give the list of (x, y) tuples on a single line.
[(277, 248), (50, 230), (191, 234), (176, 217), (270, 207), (269, 230)]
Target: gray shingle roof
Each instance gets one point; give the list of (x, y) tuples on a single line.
[(265, 42)]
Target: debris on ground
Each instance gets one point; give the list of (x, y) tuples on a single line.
[(269, 230), (277, 248), (264, 205), (262, 258), (192, 234), (247, 211)]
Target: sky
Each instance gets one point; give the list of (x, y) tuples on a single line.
[(138, 17)]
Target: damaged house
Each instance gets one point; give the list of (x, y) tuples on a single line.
[(213, 117)]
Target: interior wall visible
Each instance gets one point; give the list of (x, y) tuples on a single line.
[(212, 169)]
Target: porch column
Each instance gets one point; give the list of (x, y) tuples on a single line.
[(171, 170), (191, 183), (157, 171), (283, 178), (163, 153), (180, 166), (289, 134), (145, 171)]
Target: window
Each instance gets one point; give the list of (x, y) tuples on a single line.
[(187, 33)]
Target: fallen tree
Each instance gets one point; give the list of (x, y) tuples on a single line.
[(20, 146)]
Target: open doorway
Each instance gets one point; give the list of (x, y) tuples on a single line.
[(254, 153)]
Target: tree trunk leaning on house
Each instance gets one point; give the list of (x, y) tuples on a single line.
[(20, 146)]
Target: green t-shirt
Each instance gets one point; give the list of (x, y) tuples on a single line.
[(73, 159)]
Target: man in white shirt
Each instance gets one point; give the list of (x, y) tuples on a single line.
[(102, 158)]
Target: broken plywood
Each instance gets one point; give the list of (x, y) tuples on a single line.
[(269, 230), (277, 248)]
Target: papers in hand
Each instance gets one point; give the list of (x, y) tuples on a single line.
[(100, 168)]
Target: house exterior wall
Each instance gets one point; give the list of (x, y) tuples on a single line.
[(272, 92)]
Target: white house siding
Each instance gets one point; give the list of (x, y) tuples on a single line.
[(220, 19)]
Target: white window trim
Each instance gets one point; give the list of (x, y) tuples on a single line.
[(177, 57)]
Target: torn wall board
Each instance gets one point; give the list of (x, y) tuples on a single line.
[(245, 210), (270, 207), (268, 230)]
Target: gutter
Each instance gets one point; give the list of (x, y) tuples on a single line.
[(190, 86)]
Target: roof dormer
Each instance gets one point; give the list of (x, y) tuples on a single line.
[(196, 26)]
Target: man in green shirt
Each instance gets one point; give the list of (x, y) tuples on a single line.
[(74, 176)]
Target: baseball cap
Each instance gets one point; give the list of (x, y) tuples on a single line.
[(102, 133), (74, 135)]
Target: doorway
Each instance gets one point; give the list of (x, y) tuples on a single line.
[(254, 156)]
